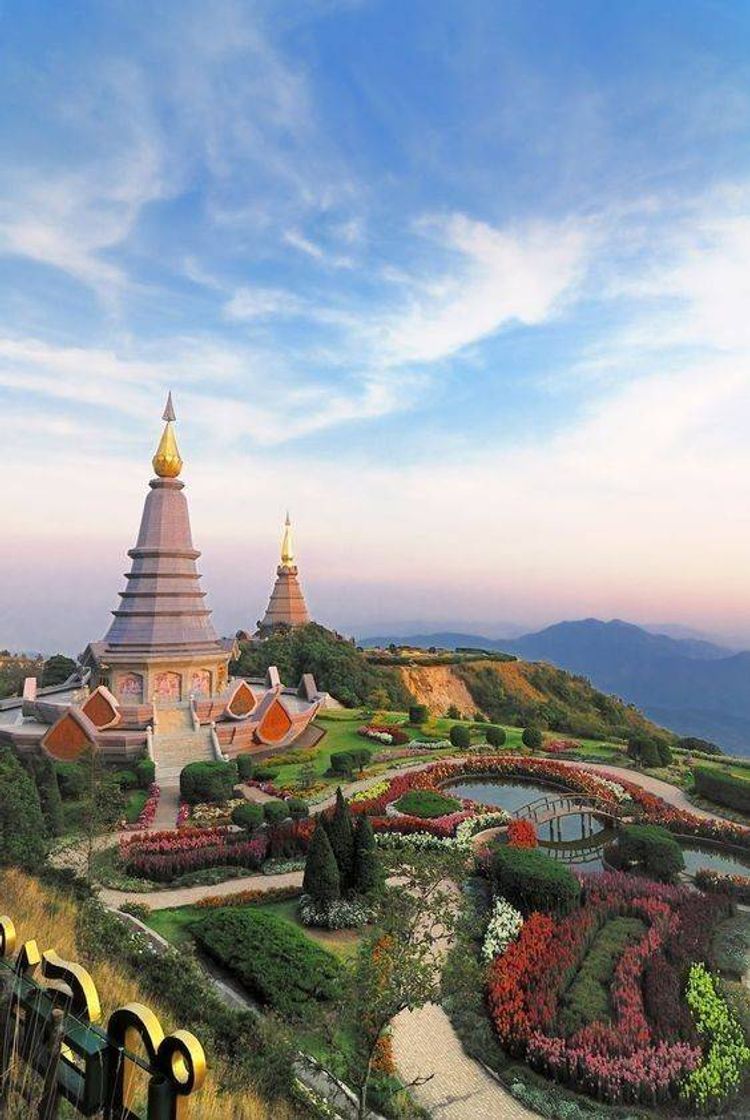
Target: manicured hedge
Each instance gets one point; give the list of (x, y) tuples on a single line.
[(275, 812), (427, 803), (248, 816), (208, 781), (724, 789), (531, 880), (274, 961), (651, 848)]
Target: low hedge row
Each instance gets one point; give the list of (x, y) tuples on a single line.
[(274, 961), (428, 803), (724, 789)]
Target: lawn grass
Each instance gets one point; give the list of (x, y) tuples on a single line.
[(587, 999), (134, 803)]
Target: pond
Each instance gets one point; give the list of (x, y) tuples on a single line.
[(579, 840)]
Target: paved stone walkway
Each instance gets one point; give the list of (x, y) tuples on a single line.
[(425, 1045), (669, 793), (185, 896)]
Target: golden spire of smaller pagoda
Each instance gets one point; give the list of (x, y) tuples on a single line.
[(287, 551), (167, 462)]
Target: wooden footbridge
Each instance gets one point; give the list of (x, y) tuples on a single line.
[(552, 807)]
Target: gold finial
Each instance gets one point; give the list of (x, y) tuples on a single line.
[(287, 552), (167, 462)]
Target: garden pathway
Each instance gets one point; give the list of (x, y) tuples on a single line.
[(186, 896), (669, 793), (425, 1045)]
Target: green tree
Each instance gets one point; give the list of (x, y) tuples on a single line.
[(532, 738), (365, 856), (21, 821), (341, 835), (495, 736), (57, 669), (45, 778), (453, 712), (460, 736), (418, 713), (321, 880)]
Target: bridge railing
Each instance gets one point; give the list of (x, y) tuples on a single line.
[(557, 805), (52, 1048)]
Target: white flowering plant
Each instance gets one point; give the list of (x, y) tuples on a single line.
[(343, 913), (503, 927)]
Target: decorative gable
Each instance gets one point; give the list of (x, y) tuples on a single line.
[(102, 708), (67, 739), (242, 701), (275, 724)]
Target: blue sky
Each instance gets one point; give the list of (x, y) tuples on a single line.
[(463, 284)]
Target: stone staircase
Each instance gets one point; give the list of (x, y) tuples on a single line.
[(176, 744)]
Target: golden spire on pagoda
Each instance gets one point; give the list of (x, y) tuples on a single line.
[(287, 551), (167, 462)]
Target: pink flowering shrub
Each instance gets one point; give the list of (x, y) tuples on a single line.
[(163, 856)]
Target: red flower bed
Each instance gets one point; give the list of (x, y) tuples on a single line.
[(398, 737), (626, 1061), (163, 856), (522, 834), (559, 746)]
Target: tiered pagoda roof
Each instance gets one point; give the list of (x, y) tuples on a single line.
[(287, 606)]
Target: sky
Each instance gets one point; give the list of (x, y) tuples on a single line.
[(464, 285)]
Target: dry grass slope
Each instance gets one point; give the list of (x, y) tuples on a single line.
[(49, 916)]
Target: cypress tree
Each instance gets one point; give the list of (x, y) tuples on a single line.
[(341, 834), (45, 778), (365, 856), (321, 880), (21, 821)]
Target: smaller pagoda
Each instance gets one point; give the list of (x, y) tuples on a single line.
[(286, 607)]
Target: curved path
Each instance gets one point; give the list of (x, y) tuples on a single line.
[(455, 1087)]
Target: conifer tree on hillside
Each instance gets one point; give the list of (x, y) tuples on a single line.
[(341, 834), (21, 821), (45, 778), (365, 856), (321, 881)]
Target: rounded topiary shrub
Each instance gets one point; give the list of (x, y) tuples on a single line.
[(245, 764), (264, 773), (427, 803), (343, 762), (460, 736), (248, 816), (495, 736), (297, 808), (127, 779), (531, 880), (532, 738), (207, 781), (418, 713), (145, 770), (649, 848), (275, 812)]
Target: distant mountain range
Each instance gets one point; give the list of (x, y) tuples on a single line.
[(690, 685)]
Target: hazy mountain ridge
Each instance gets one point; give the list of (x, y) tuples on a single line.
[(690, 685)]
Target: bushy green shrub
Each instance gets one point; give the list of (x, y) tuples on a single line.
[(532, 738), (666, 757), (322, 881), (263, 772), (460, 736), (245, 764), (45, 779), (531, 880), (342, 762), (453, 712), (726, 1057), (651, 848), (418, 713), (249, 816), (145, 769), (297, 808), (495, 736), (72, 780), (207, 781), (703, 746), (723, 788), (274, 961), (274, 812), (127, 779), (21, 821), (426, 803)]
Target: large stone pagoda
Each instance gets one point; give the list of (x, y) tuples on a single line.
[(162, 644), (286, 607)]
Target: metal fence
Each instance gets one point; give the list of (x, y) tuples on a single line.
[(52, 1048)]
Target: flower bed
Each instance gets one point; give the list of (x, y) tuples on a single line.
[(522, 834), (148, 812), (163, 856), (384, 733), (247, 898), (342, 913), (559, 746), (719, 882), (622, 1062)]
